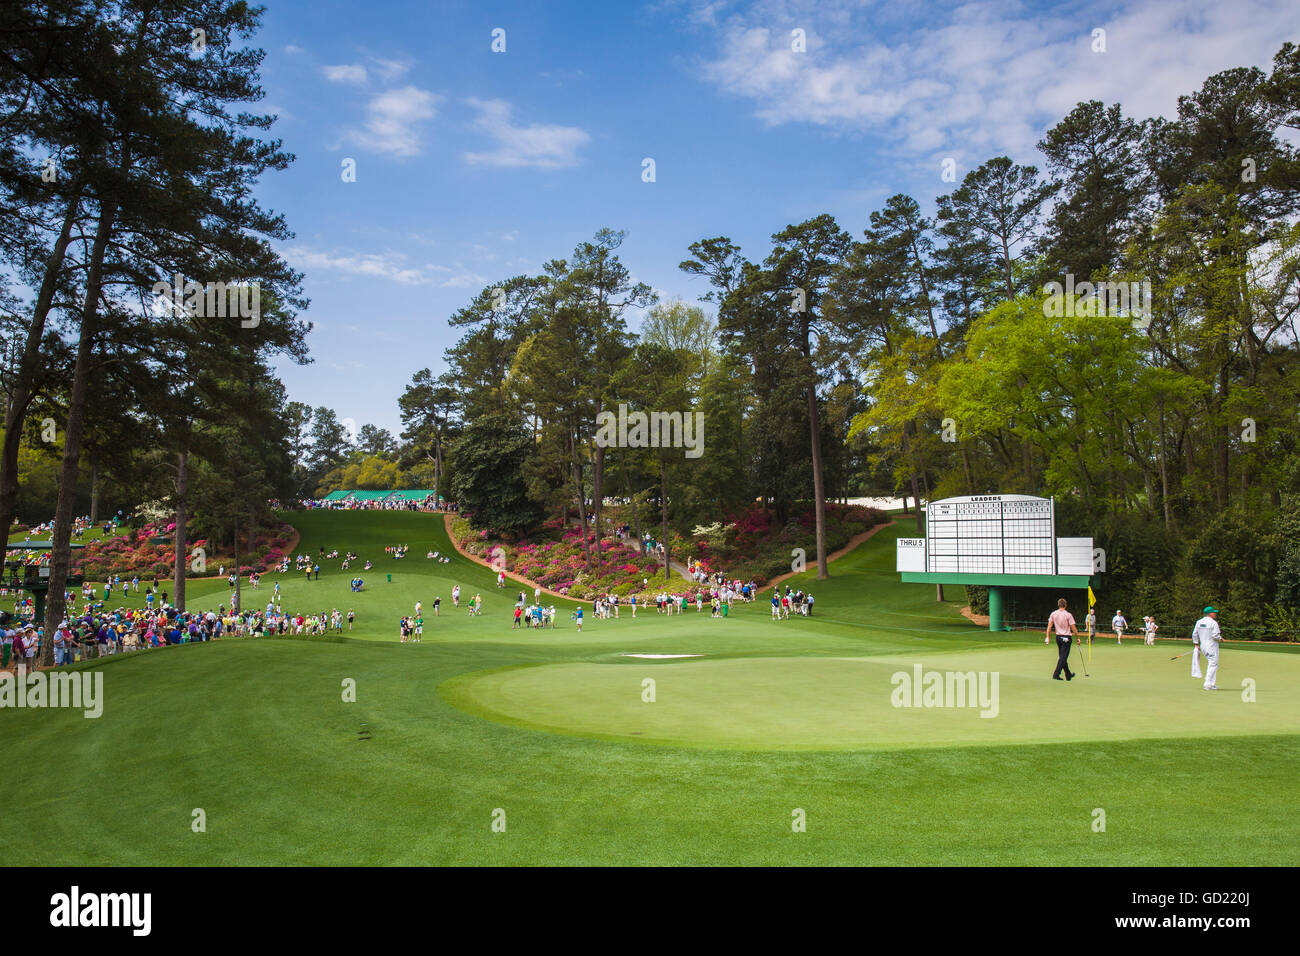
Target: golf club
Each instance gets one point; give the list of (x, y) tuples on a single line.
[(1082, 658)]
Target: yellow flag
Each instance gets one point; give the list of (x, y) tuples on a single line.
[(1092, 598)]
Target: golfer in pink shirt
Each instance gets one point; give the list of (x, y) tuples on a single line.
[(1062, 623)]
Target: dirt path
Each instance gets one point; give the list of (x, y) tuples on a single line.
[(677, 566), (292, 546), (509, 576), (856, 540)]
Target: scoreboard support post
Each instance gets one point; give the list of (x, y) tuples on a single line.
[(995, 608), (996, 582)]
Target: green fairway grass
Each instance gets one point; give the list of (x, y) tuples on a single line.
[(549, 727), (822, 703)]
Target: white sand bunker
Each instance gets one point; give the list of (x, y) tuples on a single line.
[(660, 657)]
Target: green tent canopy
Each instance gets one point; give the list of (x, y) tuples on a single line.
[(406, 494)]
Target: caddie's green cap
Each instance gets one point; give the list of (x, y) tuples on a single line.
[(1210, 610)]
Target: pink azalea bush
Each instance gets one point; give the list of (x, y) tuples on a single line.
[(757, 547), (135, 553), (560, 564)]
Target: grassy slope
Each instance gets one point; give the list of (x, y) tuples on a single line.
[(380, 606), (256, 734)]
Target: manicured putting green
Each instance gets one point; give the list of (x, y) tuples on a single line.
[(833, 703)]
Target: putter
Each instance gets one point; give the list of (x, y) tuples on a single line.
[(1082, 660)]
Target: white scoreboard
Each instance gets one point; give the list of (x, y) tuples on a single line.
[(994, 534)]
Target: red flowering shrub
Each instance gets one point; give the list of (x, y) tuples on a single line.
[(138, 553)]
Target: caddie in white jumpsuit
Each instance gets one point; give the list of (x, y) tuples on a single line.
[(1205, 635)]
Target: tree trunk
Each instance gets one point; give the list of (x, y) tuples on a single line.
[(1164, 471), (819, 490), (238, 602), (576, 469), (182, 520), (1221, 465), (60, 552), (437, 466), (94, 492), (663, 510), (20, 397), (597, 481), (636, 517), (1006, 265), (925, 291)]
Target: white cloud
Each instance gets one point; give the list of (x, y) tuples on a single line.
[(387, 266), (345, 73), (464, 279), (510, 236), (390, 70), (975, 79), (540, 145), (292, 50), (393, 121), (390, 266)]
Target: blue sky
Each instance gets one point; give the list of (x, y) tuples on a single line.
[(472, 165)]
